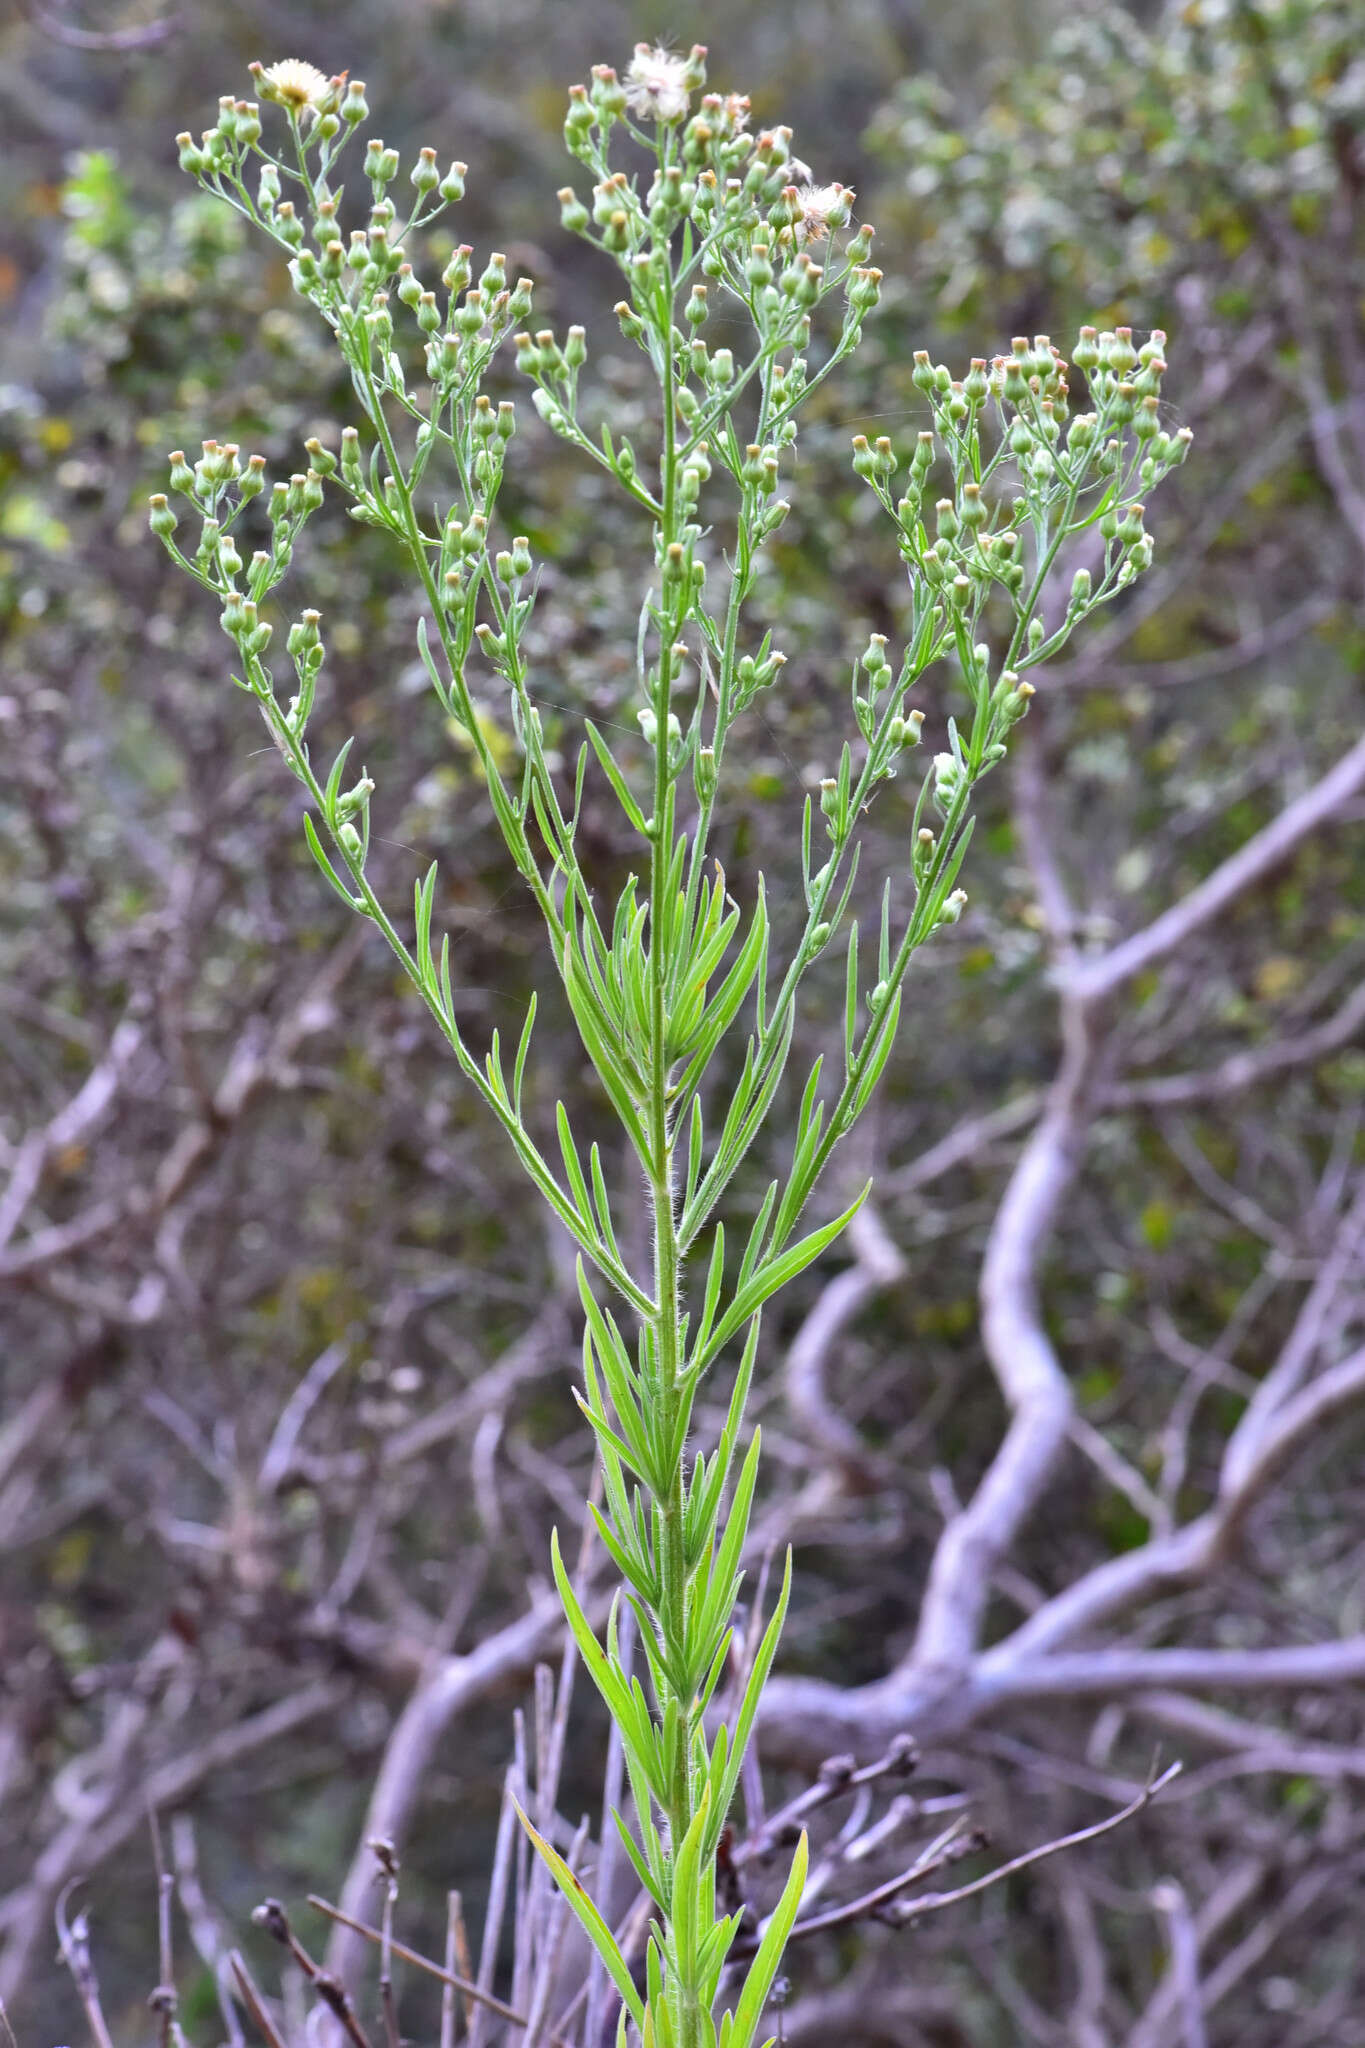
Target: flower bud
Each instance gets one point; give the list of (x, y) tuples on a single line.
[(922, 853), (1121, 356), (424, 175), (162, 519), (288, 226), (864, 460), (354, 108), (303, 635), (976, 386), (607, 93), (580, 120), (864, 288), (573, 214)]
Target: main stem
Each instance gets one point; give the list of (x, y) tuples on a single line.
[(667, 1291)]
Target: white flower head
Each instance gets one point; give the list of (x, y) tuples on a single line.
[(659, 84), (298, 85), (822, 207)]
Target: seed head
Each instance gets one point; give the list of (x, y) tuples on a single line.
[(658, 84), (820, 208), (298, 85)]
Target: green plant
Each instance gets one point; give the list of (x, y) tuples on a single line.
[(731, 254)]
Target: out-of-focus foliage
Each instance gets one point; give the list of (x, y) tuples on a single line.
[(1194, 166), (1142, 157)]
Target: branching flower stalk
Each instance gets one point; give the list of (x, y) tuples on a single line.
[(717, 232)]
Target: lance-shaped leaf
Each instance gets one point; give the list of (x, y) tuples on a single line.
[(591, 1921), (737, 2030), (771, 1275)]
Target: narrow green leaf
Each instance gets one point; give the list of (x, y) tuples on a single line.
[(591, 1921), (573, 1170), (523, 1047), (764, 1967), (639, 1862), (776, 1273), (636, 1571), (879, 1059), (753, 1691), (615, 778), (423, 893), (850, 996), (333, 790), (315, 848)]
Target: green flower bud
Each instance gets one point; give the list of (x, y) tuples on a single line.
[(864, 461), (191, 156), (424, 176), (1121, 356), (864, 288), (573, 214), (580, 119), (288, 226), (1147, 425), (354, 108), (162, 519), (607, 93), (976, 385)]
